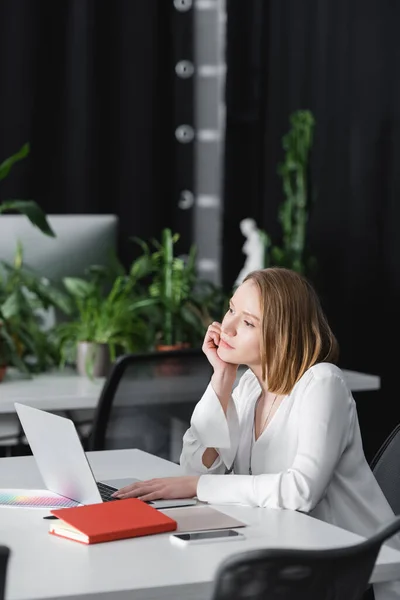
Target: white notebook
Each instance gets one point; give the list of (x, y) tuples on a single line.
[(201, 518)]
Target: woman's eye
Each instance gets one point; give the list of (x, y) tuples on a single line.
[(230, 310), (248, 324)]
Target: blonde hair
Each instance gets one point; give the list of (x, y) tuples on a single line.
[(295, 332)]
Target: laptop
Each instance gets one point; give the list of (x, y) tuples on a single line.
[(62, 461)]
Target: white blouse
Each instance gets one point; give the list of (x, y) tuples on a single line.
[(309, 458)]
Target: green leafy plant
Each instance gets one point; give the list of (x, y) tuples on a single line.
[(103, 312), (184, 304), (29, 208), (23, 294), (294, 211), (24, 297)]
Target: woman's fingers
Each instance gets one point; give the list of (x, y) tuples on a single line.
[(213, 333), (136, 493), (125, 490), (214, 338), (148, 491), (134, 489), (170, 487), (216, 327), (151, 496)]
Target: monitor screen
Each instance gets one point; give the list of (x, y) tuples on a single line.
[(81, 241)]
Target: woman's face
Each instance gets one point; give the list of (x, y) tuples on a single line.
[(241, 328)]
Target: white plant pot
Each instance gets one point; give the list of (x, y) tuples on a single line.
[(93, 359)]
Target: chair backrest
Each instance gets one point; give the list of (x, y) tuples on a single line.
[(142, 393), (279, 574), (386, 467), (4, 556)]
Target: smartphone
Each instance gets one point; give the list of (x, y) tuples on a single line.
[(203, 537)]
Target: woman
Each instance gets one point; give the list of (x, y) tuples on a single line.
[(289, 431)]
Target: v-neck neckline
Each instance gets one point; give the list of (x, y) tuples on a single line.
[(268, 426)]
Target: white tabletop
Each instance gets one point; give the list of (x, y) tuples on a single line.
[(59, 390), (66, 390), (46, 567)]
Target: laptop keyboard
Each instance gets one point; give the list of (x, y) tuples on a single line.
[(106, 491)]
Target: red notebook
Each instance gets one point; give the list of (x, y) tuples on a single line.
[(107, 521)]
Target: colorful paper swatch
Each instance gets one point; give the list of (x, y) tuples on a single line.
[(34, 499)]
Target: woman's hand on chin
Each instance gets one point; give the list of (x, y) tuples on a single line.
[(210, 348)]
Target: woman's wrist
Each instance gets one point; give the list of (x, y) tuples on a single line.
[(223, 380), (196, 483), (222, 384)]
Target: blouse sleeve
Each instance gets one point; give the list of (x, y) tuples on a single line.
[(211, 428), (325, 417)]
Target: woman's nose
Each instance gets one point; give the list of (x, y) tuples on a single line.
[(228, 328)]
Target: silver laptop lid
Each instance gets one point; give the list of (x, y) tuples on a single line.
[(62, 461), (59, 454)]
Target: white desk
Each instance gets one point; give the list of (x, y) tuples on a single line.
[(148, 568), (58, 391)]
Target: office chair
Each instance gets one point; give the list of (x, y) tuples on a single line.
[(386, 467), (141, 395), (334, 574), (4, 556)]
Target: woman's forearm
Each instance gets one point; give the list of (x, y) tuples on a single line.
[(222, 384)]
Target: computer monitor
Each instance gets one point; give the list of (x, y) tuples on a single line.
[(81, 241)]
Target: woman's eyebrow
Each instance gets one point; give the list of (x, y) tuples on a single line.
[(246, 312)]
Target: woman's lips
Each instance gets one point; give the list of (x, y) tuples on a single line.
[(225, 345)]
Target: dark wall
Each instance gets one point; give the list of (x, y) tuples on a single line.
[(91, 84), (340, 59)]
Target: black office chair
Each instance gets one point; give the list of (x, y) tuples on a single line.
[(386, 467), (4, 556), (141, 395), (337, 574)]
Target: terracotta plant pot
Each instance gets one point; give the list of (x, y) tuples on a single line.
[(173, 366), (168, 348), (3, 370)]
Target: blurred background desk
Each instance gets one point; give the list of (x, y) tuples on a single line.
[(67, 393), (65, 390)]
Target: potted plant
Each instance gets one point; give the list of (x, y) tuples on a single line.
[(23, 344), (184, 305), (294, 211), (9, 349), (24, 295), (20, 337), (106, 321)]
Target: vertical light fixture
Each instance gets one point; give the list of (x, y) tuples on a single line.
[(184, 129), (209, 86)]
